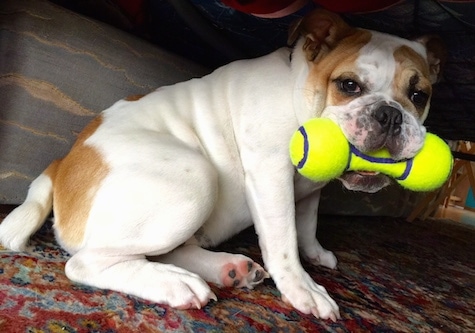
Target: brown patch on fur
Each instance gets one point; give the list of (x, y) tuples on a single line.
[(332, 65), (76, 182), (133, 98), (322, 31), (410, 65), (52, 169)]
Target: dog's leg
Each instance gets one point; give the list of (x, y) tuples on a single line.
[(224, 269), (271, 199), (135, 275), (306, 219), (144, 209)]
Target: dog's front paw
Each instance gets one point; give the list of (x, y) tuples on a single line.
[(308, 297), (323, 257), (314, 253)]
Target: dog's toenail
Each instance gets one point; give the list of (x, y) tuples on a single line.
[(249, 266), (259, 276), (232, 274), (236, 283)]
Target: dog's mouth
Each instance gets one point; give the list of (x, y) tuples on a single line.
[(364, 181)]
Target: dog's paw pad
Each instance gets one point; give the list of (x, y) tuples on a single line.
[(243, 273)]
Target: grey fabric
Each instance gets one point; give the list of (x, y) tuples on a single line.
[(57, 70)]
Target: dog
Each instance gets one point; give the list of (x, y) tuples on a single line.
[(155, 181)]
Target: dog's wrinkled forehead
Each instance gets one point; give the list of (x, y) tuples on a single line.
[(378, 63)]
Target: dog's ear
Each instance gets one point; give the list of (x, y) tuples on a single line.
[(436, 55), (321, 29)]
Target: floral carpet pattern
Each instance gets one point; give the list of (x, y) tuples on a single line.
[(393, 276)]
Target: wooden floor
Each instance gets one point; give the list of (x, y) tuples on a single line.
[(457, 214)]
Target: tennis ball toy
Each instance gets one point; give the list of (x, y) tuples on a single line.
[(321, 152)]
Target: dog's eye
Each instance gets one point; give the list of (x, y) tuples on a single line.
[(349, 87), (419, 98)]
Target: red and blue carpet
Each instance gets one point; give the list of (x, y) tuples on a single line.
[(393, 276)]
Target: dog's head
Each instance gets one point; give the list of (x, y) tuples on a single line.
[(377, 87)]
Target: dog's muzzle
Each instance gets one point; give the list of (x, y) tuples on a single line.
[(387, 132), (388, 122)]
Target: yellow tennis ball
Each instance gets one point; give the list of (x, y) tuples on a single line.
[(319, 150), (426, 171), (430, 168)]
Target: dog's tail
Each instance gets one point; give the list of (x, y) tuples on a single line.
[(17, 228)]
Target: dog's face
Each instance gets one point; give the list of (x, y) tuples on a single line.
[(377, 87)]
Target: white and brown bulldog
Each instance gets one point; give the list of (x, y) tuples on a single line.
[(188, 166)]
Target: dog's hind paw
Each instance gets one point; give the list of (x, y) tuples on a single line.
[(243, 272)]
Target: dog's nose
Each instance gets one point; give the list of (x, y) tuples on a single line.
[(389, 118)]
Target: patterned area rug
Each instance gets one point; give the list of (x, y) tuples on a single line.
[(393, 276)]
